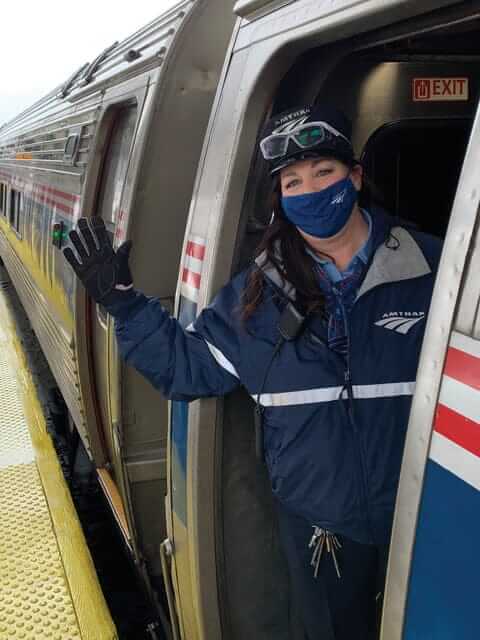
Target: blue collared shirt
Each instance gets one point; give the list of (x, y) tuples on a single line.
[(340, 288)]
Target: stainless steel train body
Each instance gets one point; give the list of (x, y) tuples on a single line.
[(120, 139), (407, 73)]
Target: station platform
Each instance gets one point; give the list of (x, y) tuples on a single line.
[(48, 586)]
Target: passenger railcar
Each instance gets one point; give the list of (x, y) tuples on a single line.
[(406, 72), (120, 139)]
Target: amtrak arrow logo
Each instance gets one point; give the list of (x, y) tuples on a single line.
[(339, 198), (401, 322)]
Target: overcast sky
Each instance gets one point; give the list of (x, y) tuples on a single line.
[(43, 43)]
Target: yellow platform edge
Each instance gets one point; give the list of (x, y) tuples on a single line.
[(93, 616)]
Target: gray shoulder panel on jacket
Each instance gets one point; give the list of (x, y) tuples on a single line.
[(404, 262)]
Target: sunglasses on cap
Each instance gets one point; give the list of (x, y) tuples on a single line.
[(305, 136)]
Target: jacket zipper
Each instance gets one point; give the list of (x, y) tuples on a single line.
[(351, 416)]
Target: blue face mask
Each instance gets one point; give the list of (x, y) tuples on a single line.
[(323, 213)]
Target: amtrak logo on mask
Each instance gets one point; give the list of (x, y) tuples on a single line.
[(338, 199)]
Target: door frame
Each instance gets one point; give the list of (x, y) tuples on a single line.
[(437, 334), (112, 102)]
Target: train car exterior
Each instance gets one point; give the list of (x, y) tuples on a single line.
[(406, 72), (109, 142), (122, 138)]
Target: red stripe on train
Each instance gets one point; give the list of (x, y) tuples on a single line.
[(42, 199), (458, 429), (191, 278), (195, 250), (463, 367), (20, 182), (72, 197)]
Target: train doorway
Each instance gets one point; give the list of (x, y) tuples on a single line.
[(121, 125), (414, 166), (413, 154)]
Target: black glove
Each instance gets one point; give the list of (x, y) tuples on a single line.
[(104, 273)]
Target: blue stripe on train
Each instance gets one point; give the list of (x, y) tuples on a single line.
[(179, 430), (443, 599)]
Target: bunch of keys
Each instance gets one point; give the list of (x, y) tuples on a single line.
[(322, 538)]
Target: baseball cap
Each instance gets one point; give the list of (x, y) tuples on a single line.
[(304, 132)]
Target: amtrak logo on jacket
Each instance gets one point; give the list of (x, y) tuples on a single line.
[(400, 321)]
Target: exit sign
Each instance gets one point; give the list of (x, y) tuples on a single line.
[(439, 89)]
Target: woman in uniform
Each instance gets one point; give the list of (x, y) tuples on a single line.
[(324, 330)]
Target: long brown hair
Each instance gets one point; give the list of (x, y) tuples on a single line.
[(284, 248)]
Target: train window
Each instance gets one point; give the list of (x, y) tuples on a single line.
[(3, 199), (114, 171), (115, 166), (15, 209)]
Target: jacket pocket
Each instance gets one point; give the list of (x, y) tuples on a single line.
[(312, 468)]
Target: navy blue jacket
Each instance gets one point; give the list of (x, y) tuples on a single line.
[(334, 429)]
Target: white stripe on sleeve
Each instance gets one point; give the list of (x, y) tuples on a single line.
[(221, 359)]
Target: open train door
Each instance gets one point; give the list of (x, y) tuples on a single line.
[(140, 181), (432, 584), (119, 129)]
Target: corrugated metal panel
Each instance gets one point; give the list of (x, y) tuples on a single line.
[(44, 145)]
